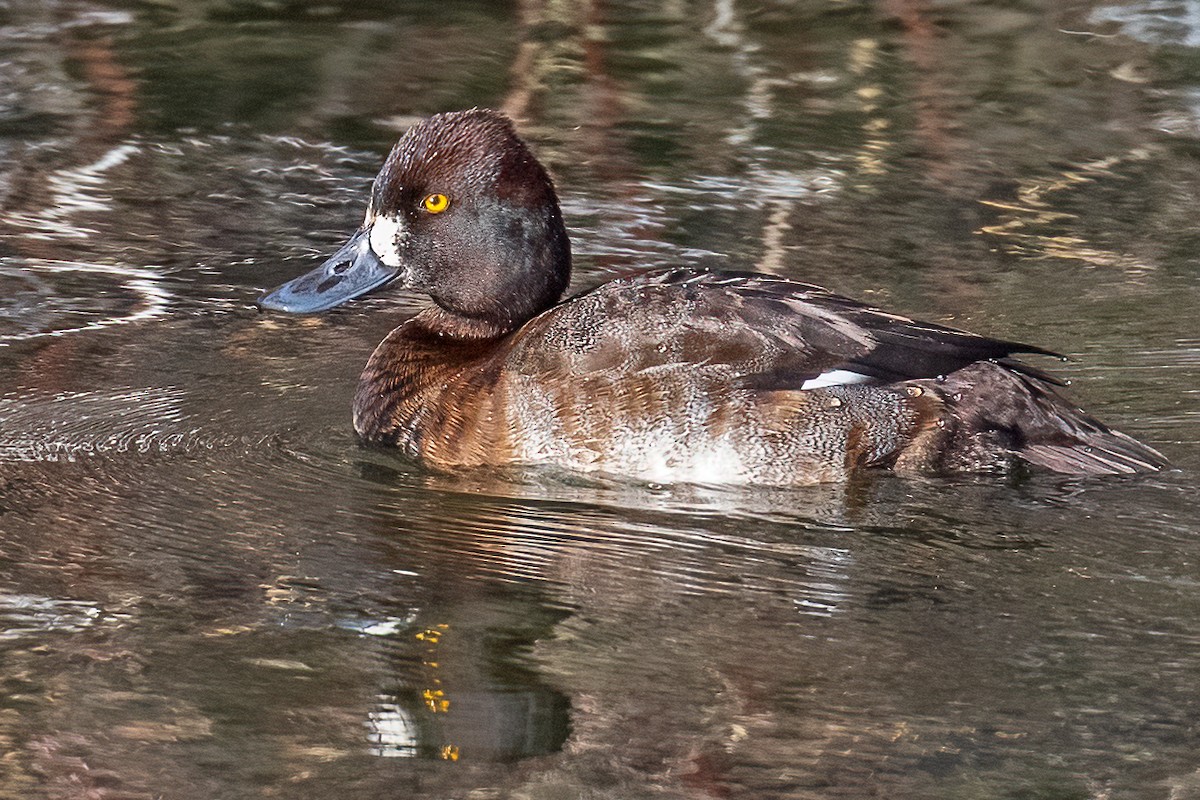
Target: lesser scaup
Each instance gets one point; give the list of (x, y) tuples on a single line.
[(669, 375)]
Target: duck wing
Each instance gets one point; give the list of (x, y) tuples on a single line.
[(768, 332)]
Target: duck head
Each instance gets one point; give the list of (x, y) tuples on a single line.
[(461, 211)]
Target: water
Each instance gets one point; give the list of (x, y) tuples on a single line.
[(209, 590)]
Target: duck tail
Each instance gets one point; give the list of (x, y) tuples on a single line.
[(997, 413)]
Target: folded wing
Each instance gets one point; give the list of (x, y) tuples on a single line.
[(768, 332)]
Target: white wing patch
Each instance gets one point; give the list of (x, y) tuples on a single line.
[(836, 377)]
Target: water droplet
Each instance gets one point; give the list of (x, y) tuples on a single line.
[(833, 402), (914, 391)]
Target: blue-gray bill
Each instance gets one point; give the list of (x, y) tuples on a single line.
[(351, 272)]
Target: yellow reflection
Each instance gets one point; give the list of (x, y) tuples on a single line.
[(432, 635), (871, 155), (1021, 219), (862, 55), (436, 700)]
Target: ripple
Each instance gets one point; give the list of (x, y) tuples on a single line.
[(1159, 22), (71, 191), (72, 425), (43, 298), (23, 615)]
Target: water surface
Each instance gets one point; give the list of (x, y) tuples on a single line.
[(208, 589)]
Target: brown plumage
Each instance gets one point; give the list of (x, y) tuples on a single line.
[(670, 375)]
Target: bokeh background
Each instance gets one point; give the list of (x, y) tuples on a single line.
[(209, 590)]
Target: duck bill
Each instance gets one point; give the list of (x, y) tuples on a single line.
[(351, 272)]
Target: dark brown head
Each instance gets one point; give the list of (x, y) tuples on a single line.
[(461, 211)]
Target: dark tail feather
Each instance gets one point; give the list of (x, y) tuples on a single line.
[(993, 407), (1108, 453)]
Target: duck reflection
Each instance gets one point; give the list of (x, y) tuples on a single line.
[(486, 726), (467, 700)]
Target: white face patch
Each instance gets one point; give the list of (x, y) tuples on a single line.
[(387, 233)]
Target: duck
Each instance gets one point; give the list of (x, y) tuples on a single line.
[(666, 375)]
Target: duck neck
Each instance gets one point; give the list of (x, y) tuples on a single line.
[(440, 324)]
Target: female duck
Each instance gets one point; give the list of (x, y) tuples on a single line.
[(679, 375)]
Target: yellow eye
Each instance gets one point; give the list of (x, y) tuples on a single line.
[(436, 203)]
